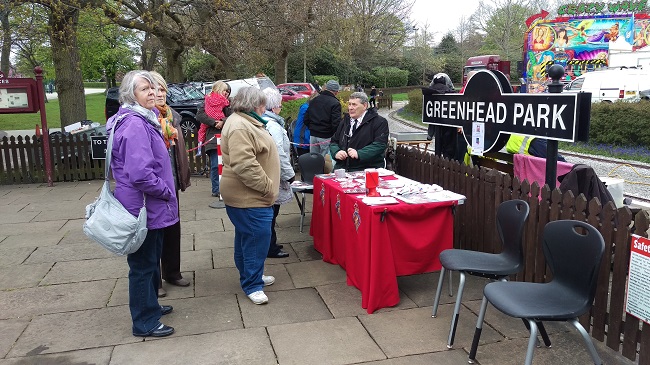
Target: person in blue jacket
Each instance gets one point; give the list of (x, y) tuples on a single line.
[(300, 130)]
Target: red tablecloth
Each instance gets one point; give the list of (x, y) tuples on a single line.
[(351, 234)]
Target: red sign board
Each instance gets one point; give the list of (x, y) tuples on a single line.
[(18, 95)]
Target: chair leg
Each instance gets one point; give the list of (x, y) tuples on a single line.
[(302, 212), (590, 345), (542, 331), (528, 328), (532, 342), (436, 300), (454, 317), (451, 283), (478, 330)]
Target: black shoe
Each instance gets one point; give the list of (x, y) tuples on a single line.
[(281, 246), (166, 309), (278, 255), (160, 331)]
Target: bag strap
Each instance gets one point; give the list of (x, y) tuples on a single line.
[(109, 153)]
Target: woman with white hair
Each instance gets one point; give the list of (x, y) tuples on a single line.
[(249, 186), (143, 176), (275, 126)]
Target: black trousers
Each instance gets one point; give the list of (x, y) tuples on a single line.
[(273, 247), (170, 260)]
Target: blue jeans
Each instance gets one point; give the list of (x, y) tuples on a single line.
[(252, 237), (214, 171), (144, 276)]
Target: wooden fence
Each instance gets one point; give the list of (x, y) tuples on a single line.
[(22, 161), (475, 229)]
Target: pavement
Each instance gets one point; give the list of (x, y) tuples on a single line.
[(64, 299)]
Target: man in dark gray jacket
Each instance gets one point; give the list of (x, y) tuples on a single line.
[(323, 118)]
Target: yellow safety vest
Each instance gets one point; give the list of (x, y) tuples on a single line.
[(518, 144)]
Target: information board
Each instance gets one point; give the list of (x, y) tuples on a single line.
[(98, 147), (637, 302)]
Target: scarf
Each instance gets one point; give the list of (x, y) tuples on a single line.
[(256, 117), (148, 115), (166, 120)]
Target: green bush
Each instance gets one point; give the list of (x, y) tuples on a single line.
[(620, 124), (415, 102), (290, 108), (323, 79)]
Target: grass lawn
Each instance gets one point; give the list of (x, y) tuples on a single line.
[(94, 110), (400, 97)]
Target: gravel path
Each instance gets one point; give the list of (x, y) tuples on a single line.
[(636, 175)]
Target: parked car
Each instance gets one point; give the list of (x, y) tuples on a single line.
[(184, 98), (288, 94), (304, 88), (612, 84), (259, 82)]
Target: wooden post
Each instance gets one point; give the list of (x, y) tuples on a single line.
[(38, 71)]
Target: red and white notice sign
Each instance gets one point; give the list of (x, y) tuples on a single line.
[(638, 295)]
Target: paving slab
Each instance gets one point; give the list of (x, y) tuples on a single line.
[(187, 242), (188, 215), (33, 240), (292, 234), (98, 356), (75, 236), (82, 330), (15, 229), (22, 276), (217, 281), (413, 331), (435, 358), (249, 346), (62, 206), (421, 288), (11, 330), (12, 207), (17, 217), (73, 225), (55, 298), (196, 260), (344, 300), (120, 295), (286, 306), (192, 316), (52, 215), (10, 257), (315, 273), (214, 240), (328, 342), (306, 251), (71, 252), (195, 227), (223, 257), (567, 348), (211, 216), (87, 270)]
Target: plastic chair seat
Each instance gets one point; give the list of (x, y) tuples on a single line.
[(542, 302), (480, 263)]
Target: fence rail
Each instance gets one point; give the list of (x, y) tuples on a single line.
[(475, 229), (22, 159)]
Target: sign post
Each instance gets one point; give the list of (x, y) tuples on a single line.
[(555, 87), (488, 112), (26, 95)]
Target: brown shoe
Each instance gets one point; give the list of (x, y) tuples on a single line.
[(161, 293), (179, 282)]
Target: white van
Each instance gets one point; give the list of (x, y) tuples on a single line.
[(612, 84), (258, 82)]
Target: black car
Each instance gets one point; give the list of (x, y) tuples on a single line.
[(184, 98)]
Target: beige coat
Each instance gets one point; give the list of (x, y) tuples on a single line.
[(251, 164)]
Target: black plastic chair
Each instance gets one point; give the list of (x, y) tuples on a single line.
[(573, 251), (511, 217), (311, 164)]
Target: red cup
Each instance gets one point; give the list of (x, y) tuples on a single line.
[(372, 181)]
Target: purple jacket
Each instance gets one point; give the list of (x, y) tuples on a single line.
[(141, 164)]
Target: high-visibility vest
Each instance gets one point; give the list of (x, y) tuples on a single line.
[(518, 144)]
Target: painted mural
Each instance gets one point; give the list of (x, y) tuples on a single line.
[(580, 44)]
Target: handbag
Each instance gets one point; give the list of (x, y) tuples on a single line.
[(108, 222)]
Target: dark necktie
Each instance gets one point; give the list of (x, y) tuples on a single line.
[(354, 126)]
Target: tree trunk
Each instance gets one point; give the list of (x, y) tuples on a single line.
[(63, 23), (173, 52), (281, 67), (6, 42), (149, 49)]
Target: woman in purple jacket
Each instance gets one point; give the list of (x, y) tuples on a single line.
[(143, 175)]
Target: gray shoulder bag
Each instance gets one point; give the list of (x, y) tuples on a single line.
[(108, 222)]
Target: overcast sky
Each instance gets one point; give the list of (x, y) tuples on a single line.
[(441, 16)]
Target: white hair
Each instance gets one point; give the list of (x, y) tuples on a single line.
[(273, 98)]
